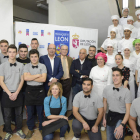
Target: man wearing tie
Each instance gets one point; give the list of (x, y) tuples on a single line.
[(53, 65), (67, 78)]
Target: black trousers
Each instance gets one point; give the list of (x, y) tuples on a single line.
[(66, 89), (8, 118)]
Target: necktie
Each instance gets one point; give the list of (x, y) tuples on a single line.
[(13, 64), (87, 96), (6, 57), (34, 67), (65, 68), (115, 88)]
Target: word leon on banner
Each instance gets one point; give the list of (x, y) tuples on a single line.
[(61, 38)]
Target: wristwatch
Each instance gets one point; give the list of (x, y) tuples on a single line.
[(123, 124)]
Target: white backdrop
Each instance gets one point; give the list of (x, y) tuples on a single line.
[(74, 37)]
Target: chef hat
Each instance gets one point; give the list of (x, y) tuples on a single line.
[(130, 18), (103, 55), (137, 12), (128, 46), (115, 30), (125, 8), (127, 27), (110, 43), (136, 41), (115, 17)]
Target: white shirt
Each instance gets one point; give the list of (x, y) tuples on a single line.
[(111, 60), (123, 20), (101, 75), (119, 34), (134, 33), (82, 61), (131, 64), (136, 56), (115, 41), (52, 65), (137, 24), (125, 42), (138, 64)]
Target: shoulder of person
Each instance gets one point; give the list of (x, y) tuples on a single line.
[(59, 56), (47, 99), (42, 65), (136, 101), (43, 57), (108, 87), (63, 99)]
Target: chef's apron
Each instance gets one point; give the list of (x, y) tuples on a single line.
[(34, 95), (52, 127)]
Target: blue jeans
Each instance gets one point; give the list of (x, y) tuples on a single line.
[(31, 116), (63, 130), (110, 131), (77, 88)]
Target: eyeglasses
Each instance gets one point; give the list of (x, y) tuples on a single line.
[(64, 49), (51, 48)]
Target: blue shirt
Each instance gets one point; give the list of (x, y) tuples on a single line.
[(55, 103)]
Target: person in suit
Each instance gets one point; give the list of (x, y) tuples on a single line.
[(66, 80), (80, 70), (53, 65)]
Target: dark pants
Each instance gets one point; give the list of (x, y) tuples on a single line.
[(77, 128), (31, 116), (75, 89), (66, 89), (110, 131), (62, 133), (8, 118)]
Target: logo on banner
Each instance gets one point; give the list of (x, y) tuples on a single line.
[(61, 38), (49, 33), (75, 41), (20, 32), (27, 32), (35, 33), (41, 46), (42, 32)]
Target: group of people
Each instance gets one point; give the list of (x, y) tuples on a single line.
[(104, 85)]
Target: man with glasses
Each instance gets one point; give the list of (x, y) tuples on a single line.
[(123, 19), (91, 55), (53, 65), (80, 70), (67, 78)]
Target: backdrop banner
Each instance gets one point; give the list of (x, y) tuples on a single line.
[(74, 37)]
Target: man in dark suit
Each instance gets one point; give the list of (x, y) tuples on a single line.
[(80, 69), (53, 65), (66, 80)]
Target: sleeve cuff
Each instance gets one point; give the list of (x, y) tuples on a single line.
[(51, 79)]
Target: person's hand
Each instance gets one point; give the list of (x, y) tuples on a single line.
[(39, 75), (84, 76), (86, 126), (14, 96), (136, 136), (46, 123), (125, 86), (137, 84), (119, 132), (104, 122), (54, 80), (77, 71), (95, 129), (10, 96), (63, 117), (49, 83)]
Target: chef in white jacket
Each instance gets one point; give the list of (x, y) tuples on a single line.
[(119, 28), (137, 23), (130, 62), (101, 74), (123, 19)]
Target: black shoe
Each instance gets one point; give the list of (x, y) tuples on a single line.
[(71, 117)]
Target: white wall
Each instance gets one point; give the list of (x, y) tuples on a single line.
[(83, 13), (29, 15), (6, 22)]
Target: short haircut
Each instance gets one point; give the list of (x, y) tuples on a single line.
[(117, 69), (22, 46), (88, 79), (92, 46), (4, 41), (12, 46), (34, 39), (33, 51), (119, 55)]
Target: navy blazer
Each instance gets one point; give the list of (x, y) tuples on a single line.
[(57, 70), (76, 65)]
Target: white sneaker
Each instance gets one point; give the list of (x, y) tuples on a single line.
[(74, 138), (62, 138), (102, 128)]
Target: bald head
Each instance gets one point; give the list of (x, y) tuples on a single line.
[(82, 54), (64, 50)]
